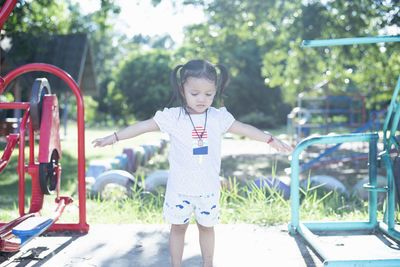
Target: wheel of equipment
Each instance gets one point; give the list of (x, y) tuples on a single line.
[(40, 88), (48, 174)]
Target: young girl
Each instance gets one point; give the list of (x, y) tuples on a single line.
[(195, 130)]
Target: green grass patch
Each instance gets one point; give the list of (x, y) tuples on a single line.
[(264, 206)]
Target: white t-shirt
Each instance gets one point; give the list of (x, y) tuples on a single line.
[(194, 169)]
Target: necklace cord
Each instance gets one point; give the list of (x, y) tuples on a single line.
[(194, 127)]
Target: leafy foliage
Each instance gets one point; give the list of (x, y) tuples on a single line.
[(258, 40), (140, 84), (63, 17), (37, 17)]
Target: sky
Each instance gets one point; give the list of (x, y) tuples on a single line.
[(139, 16)]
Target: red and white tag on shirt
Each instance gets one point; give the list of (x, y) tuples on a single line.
[(200, 141)]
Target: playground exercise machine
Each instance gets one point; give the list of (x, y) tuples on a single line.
[(387, 225), (40, 115), (320, 110), (317, 114)]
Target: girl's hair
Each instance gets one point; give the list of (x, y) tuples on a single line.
[(199, 68)]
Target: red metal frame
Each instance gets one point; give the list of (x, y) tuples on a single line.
[(82, 225), (12, 141), (6, 11), (32, 168)]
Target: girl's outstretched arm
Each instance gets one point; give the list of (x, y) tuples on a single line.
[(133, 130), (254, 133)]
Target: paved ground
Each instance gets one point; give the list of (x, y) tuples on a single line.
[(237, 245), (147, 245)]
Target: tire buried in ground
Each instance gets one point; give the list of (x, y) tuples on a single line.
[(113, 178)]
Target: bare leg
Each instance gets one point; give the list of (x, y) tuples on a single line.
[(207, 244), (176, 243)]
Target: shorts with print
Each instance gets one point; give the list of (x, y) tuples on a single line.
[(178, 208)]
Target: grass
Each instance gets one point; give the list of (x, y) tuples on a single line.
[(240, 204)]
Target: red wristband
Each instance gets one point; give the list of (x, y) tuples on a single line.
[(116, 136), (271, 139)]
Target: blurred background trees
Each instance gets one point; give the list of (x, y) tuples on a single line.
[(258, 40)]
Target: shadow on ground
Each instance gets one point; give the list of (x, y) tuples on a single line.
[(147, 246)]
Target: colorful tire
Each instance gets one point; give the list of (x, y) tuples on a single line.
[(140, 156), (123, 160), (115, 164), (325, 181), (273, 183), (130, 154), (97, 167), (152, 150), (147, 153), (156, 146), (156, 179), (118, 177)]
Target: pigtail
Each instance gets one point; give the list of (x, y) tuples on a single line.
[(176, 86), (222, 82)]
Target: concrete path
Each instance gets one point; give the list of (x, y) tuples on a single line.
[(237, 245), (147, 245)]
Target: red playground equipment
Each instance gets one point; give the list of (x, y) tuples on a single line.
[(40, 116)]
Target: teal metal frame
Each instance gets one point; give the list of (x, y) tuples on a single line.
[(387, 225), (350, 41)]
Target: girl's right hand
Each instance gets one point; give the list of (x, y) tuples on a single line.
[(105, 141)]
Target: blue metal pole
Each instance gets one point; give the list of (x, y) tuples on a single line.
[(294, 187), (392, 106), (392, 233), (373, 195), (350, 41), (311, 239), (395, 120), (339, 226), (294, 190), (363, 263), (390, 201)]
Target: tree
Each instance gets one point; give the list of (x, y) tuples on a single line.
[(99, 26), (228, 38), (38, 16), (140, 85), (278, 27)]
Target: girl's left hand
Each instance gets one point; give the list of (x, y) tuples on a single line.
[(280, 146)]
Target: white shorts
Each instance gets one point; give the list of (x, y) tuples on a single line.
[(178, 208)]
